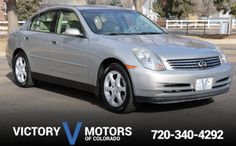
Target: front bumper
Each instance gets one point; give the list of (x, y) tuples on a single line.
[(172, 86)]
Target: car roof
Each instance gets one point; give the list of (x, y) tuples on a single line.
[(79, 7), (88, 7)]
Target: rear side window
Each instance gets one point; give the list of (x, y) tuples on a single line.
[(44, 22), (34, 23)]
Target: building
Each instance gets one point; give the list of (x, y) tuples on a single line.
[(2, 10)]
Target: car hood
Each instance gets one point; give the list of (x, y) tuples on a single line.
[(168, 46)]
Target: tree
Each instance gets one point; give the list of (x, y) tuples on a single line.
[(116, 3), (91, 2), (182, 8), (233, 9), (127, 3), (138, 4), (11, 16), (208, 6), (49, 3), (26, 8), (226, 6), (123, 3), (80, 2), (157, 7), (204, 8), (106, 2), (173, 8), (163, 7)]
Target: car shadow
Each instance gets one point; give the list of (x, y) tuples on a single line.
[(149, 108), (91, 98), (66, 91)]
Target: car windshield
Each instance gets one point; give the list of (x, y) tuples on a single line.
[(119, 22)]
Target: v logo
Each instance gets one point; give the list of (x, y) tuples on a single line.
[(72, 138)]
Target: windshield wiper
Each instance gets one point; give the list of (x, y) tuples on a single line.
[(118, 33), (150, 33), (141, 33)]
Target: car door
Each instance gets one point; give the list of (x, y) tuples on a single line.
[(36, 40), (69, 56)]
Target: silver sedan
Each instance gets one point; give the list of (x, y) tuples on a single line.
[(118, 54)]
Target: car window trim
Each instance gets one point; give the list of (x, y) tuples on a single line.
[(37, 15), (31, 20), (68, 9), (55, 26), (164, 32), (54, 22)]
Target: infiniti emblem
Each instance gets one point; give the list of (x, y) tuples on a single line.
[(202, 64)]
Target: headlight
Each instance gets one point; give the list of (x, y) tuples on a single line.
[(148, 59), (223, 57)]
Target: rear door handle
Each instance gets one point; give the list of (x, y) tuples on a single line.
[(54, 42), (26, 38)]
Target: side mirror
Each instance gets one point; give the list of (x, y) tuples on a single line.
[(165, 29), (74, 32)]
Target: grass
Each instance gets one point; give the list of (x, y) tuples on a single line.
[(3, 43)]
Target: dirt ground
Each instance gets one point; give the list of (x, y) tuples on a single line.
[(217, 36), (3, 43)]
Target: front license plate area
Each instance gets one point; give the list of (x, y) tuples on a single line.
[(204, 84)]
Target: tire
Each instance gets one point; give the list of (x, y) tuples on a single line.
[(22, 71), (116, 89)]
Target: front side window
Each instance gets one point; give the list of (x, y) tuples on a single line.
[(68, 19), (44, 22), (119, 22)]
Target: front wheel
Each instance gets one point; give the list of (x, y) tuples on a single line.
[(116, 89), (21, 70)]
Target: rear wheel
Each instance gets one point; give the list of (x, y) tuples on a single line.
[(116, 89), (21, 70)]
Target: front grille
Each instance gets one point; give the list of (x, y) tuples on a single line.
[(178, 91), (195, 63), (177, 85), (222, 82), (219, 86)]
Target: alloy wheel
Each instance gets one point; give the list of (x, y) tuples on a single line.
[(20, 69), (115, 88)]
